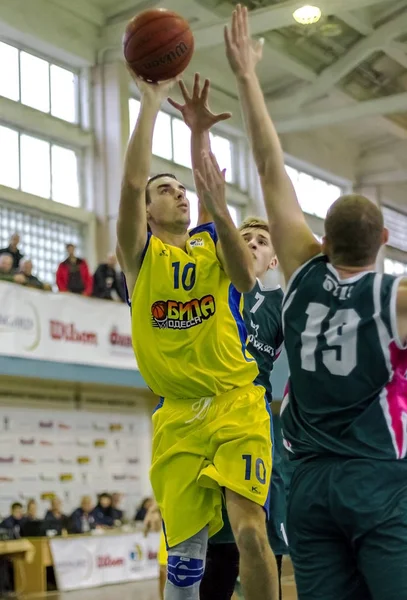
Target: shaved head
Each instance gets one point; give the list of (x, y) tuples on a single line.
[(354, 232)]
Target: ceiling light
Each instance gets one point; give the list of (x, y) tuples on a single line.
[(307, 15)]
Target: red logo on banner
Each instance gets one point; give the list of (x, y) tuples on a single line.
[(108, 561), (68, 333), (120, 339)]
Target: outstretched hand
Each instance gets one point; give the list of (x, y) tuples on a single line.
[(196, 112), (211, 185), (242, 52)]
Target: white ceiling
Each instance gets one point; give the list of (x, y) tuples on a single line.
[(353, 84)]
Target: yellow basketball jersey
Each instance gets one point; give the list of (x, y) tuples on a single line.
[(188, 333)]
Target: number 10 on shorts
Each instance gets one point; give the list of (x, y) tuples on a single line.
[(260, 469)]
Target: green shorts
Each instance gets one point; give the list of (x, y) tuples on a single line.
[(347, 527)]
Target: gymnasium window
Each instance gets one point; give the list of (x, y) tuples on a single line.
[(193, 203), (395, 267), (314, 195), (396, 223), (37, 166), (43, 238), (38, 83), (172, 140)]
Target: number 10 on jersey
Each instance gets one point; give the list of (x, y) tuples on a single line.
[(187, 276)]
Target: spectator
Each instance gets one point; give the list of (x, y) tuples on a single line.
[(31, 280), (107, 283), (73, 274), (103, 512), (32, 510), (6, 270), (117, 512), (13, 249), (143, 509), (13, 522), (82, 519), (55, 517)]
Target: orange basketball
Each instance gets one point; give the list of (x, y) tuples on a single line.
[(158, 44), (159, 310)]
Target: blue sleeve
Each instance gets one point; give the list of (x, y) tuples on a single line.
[(209, 228)]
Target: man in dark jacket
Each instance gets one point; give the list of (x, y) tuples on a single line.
[(30, 280), (82, 519), (107, 283), (13, 249), (13, 522), (103, 512), (73, 274)]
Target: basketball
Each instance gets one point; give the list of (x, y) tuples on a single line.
[(159, 310), (158, 44)]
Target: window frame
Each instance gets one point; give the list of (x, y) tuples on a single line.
[(400, 213), (217, 132), (52, 142), (75, 72)]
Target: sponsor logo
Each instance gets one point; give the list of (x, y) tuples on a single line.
[(115, 427), (27, 461), (46, 443), (83, 460), (164, 252), (196, 242), (123, 340), (171, 314), (67, 332), (136, 556), (99, 443), (6, 459), (119, 477), (27, 442), (78, 567), (132, 478), (107, 561), (168, 58), (66, 477), (133, 461), (64, 426), (255, 489), (47, 496), (46, 424), (20, 316), (6, 479)]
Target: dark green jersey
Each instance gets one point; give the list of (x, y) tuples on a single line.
[(348, 387), (262, 316)]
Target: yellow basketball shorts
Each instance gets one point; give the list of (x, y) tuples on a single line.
[(162, 556), (202, 446)]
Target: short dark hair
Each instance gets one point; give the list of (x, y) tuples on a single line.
[(148, 197), (353, 231), (16, 505), (70, 245)]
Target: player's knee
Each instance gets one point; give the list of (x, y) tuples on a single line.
[(185, 572), (251, 538)]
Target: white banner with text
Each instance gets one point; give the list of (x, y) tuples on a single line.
[(64, 328), (92, 561)]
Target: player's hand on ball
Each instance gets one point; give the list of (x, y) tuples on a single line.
[(196, 112), (211, 185), (153, 92), (242, 52)]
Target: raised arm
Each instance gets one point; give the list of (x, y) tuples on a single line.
[(401, 308), (233, 252), (200, 119), (292, 238), (132, 219)]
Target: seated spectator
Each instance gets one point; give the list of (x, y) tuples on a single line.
[(31, 280), (73, 274), (13, 250), (32, 511), (143, 509), (107, 282), (82, 519), (103, 512), (55, 517), (14, 521), (6, 270), (117, 512)]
